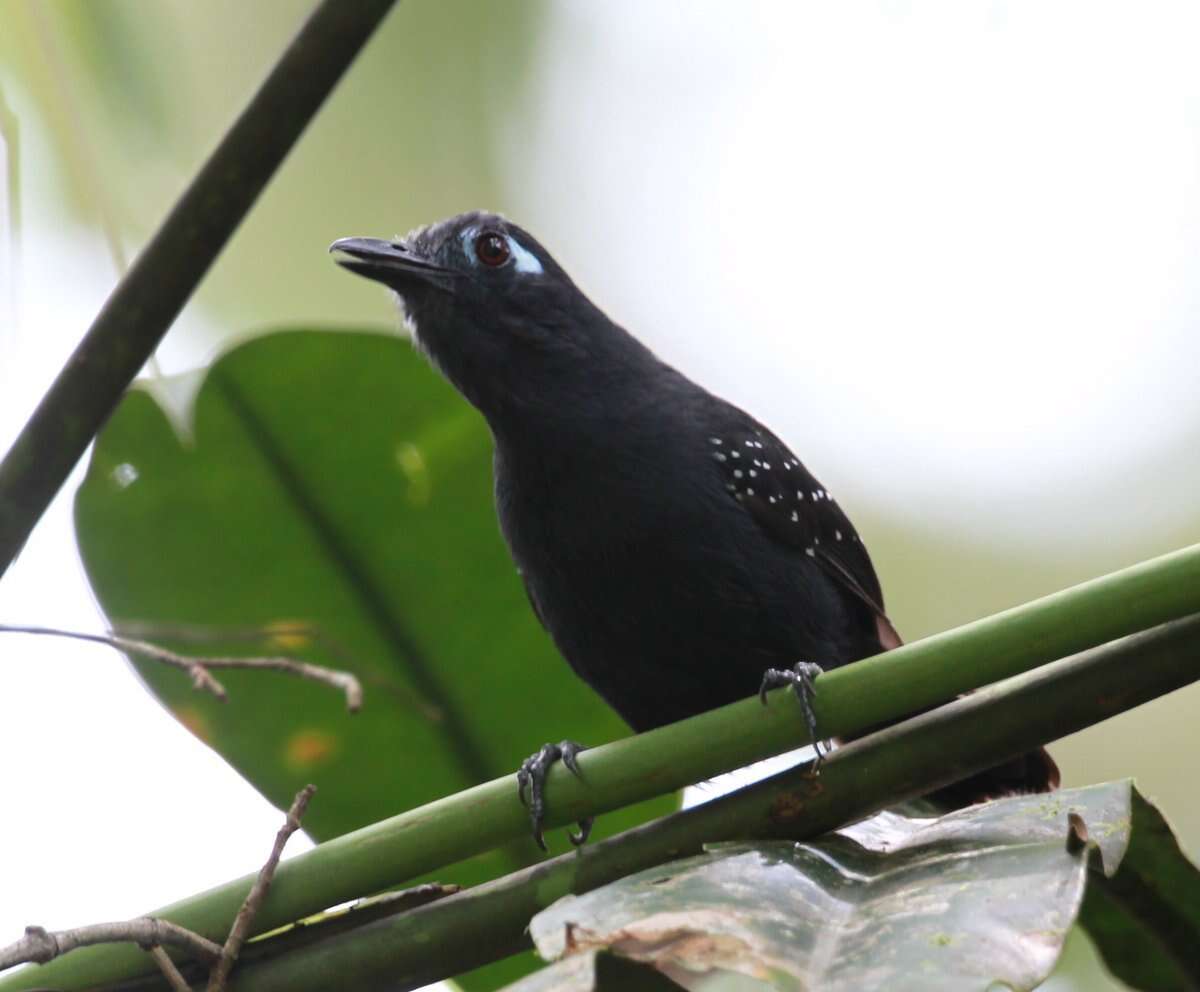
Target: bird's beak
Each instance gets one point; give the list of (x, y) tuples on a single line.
[(390, 262)]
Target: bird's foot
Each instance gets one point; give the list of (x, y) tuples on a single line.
[(802, 678), (531, 786)]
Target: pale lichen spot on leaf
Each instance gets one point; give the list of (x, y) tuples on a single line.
[(307, 749), (412, 465), (124, 475), (1112, 828)]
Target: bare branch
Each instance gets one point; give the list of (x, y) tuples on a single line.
[(343, 681), (39, 945), (240, 930), (177, 982), (287, 635), (198, 667)]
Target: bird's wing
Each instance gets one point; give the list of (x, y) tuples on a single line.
[(763, 475)]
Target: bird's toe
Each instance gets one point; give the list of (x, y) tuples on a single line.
[(802, 678), (531, 786)]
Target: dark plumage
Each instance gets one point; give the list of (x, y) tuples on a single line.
[(672, 545)]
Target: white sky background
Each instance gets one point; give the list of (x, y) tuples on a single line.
[(949, 251), (950, 244)]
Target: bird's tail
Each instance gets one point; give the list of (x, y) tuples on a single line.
[(1024, 775), (1029, 773)]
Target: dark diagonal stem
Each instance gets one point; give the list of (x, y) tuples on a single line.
[(163, 277)]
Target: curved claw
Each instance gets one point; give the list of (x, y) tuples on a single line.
[(569, 752), (523, 781), (531, 786), (802, 678), (585, 828)]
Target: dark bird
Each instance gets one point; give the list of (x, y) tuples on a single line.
[(674, 547)]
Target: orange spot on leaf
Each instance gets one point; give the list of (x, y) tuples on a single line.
[(289, 635), (195, 721), (309, 748)]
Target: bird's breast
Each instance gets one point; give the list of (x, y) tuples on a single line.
[(656, 587)]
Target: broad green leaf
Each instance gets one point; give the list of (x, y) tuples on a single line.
[(332, 479), (977, 898), (1145, 918)]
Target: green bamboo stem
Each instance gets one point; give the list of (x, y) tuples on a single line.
[(480, 925), (147, 300), (869, 693)]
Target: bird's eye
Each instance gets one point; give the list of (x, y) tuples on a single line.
[(492, 249)]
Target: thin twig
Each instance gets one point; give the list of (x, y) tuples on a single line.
[(347, 683), (240, 930), (177, 982), (296, 631), (198, 667), (39, 945)]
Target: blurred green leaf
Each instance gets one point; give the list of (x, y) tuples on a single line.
[(1145, 919), (10, 195), (331, 479), (123, 99), (88, 68), (114, 48), (978, 898)]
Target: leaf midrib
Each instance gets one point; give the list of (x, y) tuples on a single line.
[(471, 760)]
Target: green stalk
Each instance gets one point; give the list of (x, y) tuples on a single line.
[(479, 925), (147, 300), (850, 700)]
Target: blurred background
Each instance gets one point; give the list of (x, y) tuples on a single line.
[(948, 251)]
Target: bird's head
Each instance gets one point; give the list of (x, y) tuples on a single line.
[(494, 311)]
